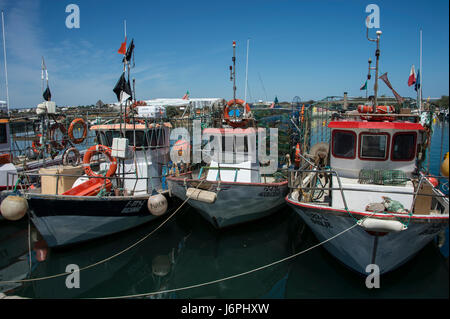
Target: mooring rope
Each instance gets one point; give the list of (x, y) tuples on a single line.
[(106, 259), (236, 275)]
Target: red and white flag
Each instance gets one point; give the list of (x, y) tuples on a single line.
[(412, 76)]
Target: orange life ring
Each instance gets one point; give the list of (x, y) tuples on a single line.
[(72, 126), (226, 114), (381, 109), (297, 155), (54, 143), (35, 145), (99, 149)]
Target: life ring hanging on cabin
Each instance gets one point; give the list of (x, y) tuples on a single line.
[(381, 109), (72, 126), (99, 149), (242, 122), (72, 160), (54, 143)]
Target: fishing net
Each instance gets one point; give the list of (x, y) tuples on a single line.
[(382, 177)]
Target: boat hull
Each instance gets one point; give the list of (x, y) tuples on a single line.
[(236, 203), (358, 248), (67, 220)]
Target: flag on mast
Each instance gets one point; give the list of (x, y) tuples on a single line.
[(364, 87), (186, 96), (123, 47), (412, 76), (122, 89), (47, 94), (129, 51), (417, 85)]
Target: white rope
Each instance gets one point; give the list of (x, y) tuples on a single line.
[(237, 275), (106, 259)]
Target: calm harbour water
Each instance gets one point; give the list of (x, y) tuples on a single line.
[(187, 251)]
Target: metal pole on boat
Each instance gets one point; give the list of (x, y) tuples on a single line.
[(246, 79), (377, 54), (420, 72), (234, 75), (6, 69), (368, 74)]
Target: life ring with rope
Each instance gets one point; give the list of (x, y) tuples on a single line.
[(58, 145), (226, 114), (99, 149), (71, 160), (77, 121)]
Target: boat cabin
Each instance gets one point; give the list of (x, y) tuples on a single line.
[(373, 155), (357, 145), (149, 149), (232, 154)]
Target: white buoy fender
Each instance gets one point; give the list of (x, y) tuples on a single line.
[(157, 204), (201, 195), (14, 207), (382, 225)]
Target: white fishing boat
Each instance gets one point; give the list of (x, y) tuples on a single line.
[(370, 176), (233, 186), (231, 189)]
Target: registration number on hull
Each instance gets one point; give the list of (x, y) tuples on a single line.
[(270, 191), (133, 207)]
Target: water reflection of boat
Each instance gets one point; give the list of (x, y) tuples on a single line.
[(14, 263), (209, 256), (94, 281), (318, 275)]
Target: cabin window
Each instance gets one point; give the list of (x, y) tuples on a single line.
[(373, 146), (110, 135), (3, 138), (344, 144), (156, 137), (140, 138), (404, 146)]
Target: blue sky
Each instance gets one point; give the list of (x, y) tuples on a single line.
[(311, 49)]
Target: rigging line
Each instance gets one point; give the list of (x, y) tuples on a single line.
[(108, 258), (262, 84), (240, 274)]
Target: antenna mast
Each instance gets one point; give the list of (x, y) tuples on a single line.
[(377, 54), (6, 68)]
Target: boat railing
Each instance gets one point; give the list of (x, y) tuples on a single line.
[(235, 169), (296, 178), (25, 179)]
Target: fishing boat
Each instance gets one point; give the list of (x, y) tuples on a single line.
[(119, 185), (367, 186), (232, 186)]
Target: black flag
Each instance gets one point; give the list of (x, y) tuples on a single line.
[(129, 52), (122, 86), (47, 95)]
